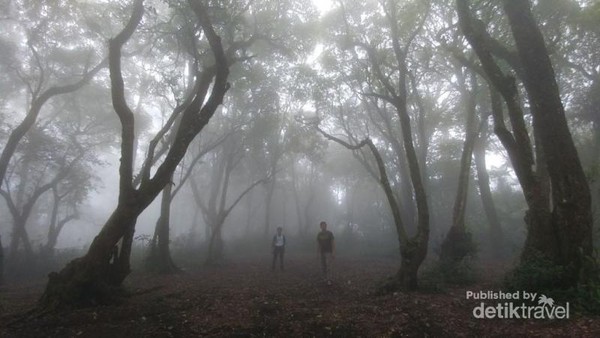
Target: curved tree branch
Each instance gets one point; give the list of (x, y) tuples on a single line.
[(383, 180), (120, 104)]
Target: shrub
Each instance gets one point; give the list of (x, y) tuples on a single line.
[(540, 274)]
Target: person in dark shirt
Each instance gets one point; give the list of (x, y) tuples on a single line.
[(278, 245), (325, 249)]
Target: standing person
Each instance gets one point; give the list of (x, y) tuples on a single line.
[(326, 249), (278, 245)]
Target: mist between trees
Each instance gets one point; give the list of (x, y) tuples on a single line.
[(167, 135)]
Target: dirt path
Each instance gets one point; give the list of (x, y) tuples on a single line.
[(248, 300)]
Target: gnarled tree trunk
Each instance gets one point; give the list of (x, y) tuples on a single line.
[(91, 278), (560, 227)]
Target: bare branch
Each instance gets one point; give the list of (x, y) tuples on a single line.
[(383, 180), (197, 158)]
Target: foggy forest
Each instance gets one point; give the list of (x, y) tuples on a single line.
[(299, 168)]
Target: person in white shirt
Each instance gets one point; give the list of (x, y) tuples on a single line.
[(278, 245)]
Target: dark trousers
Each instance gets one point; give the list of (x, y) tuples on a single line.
[(278, 252), (326, 263)]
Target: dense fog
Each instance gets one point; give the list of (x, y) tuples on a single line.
[(162, 136)]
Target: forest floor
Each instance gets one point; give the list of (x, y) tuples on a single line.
[(246, 299)]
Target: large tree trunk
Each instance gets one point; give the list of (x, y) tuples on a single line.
[(560, 228), (91, 278), (413, 254), (571, 215)]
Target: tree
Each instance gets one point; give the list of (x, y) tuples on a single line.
[(387, 79), (458, 242), (159, 258), (44, 59), (217, 208), (559, 219), (44, 164), (73, 126), (88, 279), (410, 248), (58, 221), (452, 42), (47, 63), (495, 232)]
